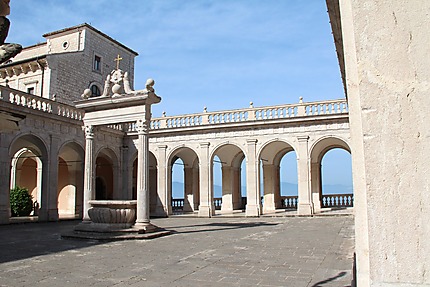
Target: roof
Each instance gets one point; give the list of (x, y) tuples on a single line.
[(86, 25)]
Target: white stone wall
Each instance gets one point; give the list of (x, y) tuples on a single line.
[(387, 69)]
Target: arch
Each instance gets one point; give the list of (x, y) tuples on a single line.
[(269, 158), (70, 180), (191, 200), (28, 157), (106, 168), (231, 157), (317, 152)]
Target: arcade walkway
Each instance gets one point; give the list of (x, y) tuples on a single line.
[(289, 251)]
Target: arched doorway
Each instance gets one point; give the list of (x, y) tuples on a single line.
[(106, 167), (28, 157), (229, 159), (183, 181), (70, 180), (276, 193), (337, 167)]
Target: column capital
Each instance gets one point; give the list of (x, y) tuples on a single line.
[(142, 127), (205, 144), (89, 131), (163, 146), (251, 141)]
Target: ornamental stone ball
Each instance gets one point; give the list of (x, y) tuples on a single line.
[(87, 93)]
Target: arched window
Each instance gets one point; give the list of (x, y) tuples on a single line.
[(95, 91)]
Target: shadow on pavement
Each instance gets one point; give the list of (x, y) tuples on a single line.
[(322, 283), (26, 240)]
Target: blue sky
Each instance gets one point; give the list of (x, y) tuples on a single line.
[(221, 54)]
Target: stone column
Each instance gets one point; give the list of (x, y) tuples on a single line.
[(188, 189), (142, 212), (227, 189), (125, 190), (305, 205), (163, 207), (89, 171), (49, 205), (237, 188), (196, 189), (316, 186), (269, 178), (253, 205), (4, 183), (206, 208)]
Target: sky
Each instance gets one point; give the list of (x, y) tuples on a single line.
[(219, 54)]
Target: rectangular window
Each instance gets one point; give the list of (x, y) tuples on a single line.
[(97, 63), (30, 90)]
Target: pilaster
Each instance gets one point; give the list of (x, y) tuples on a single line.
[(162, 208), (305, 205), (49, 204), (206, 208), (227, 189), (253, 205), (4, 183)]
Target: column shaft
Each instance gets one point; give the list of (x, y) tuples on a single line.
[(89, 171), (253, 206), (305, 205)]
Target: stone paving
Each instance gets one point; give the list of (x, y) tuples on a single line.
[(279, 251)]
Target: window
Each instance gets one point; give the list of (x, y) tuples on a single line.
[(97, 63), (30, 90), (95, 91)]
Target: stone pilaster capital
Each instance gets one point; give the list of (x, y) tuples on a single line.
[(162, 147), (205, 145), (142, 126), (89, 131), (303, 138), (251, 141)]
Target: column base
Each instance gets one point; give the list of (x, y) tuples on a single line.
[(206, 211), (305, 209), (252, 211), (4, 217), (48, 215), (145, 227)]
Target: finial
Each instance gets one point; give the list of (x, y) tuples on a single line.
[(301, 100), (205, 109), (251, 104), (117, 60), (164, 114), (54, 97)]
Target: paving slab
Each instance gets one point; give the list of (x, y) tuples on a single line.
[(221, 251)]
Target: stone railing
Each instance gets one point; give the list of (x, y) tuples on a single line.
[(289, 202), (33, 102), (250, 114), (337, 200)]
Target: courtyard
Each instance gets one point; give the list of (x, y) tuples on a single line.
[(218, 251)]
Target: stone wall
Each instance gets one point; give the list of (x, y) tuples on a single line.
[(387, 59)]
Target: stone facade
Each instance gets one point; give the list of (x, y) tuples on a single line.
[(383, 49), (65, 65)]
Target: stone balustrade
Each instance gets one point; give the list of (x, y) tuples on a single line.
[(250, 114), (40, 104)]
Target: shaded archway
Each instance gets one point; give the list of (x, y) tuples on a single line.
[(270, 158), (230, 157), (188, 164), (70, 180), (330, 198), (28, 169), (106, 168)]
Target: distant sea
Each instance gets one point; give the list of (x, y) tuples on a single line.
[(287, 189)]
